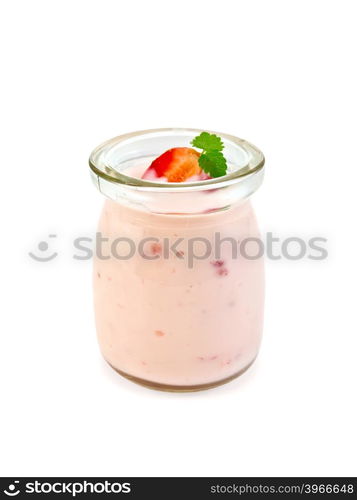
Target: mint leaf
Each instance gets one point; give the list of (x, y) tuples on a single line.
[(208, 142), (213, 163), (211, 159)]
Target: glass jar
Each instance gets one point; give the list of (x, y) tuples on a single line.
[(178, 303)]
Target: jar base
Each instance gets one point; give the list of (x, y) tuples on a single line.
[(180, 388)]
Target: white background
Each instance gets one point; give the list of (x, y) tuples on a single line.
[(280, 74)]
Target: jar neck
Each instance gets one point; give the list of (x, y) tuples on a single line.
[(111, 162), (182, 203)]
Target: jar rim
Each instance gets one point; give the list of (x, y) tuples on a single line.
[(98, 165)]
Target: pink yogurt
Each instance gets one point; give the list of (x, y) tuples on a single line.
[(162, 319)]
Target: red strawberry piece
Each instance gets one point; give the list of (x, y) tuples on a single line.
[(176, 164), (155, 248), (222, 271), (217, 263)]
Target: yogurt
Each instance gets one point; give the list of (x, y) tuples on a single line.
[(177, 305)]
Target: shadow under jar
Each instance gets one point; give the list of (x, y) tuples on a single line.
[(178, 278)]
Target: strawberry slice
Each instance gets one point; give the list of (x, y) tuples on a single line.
[(176, 164)]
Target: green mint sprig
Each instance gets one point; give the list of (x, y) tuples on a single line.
[(211, 159)]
